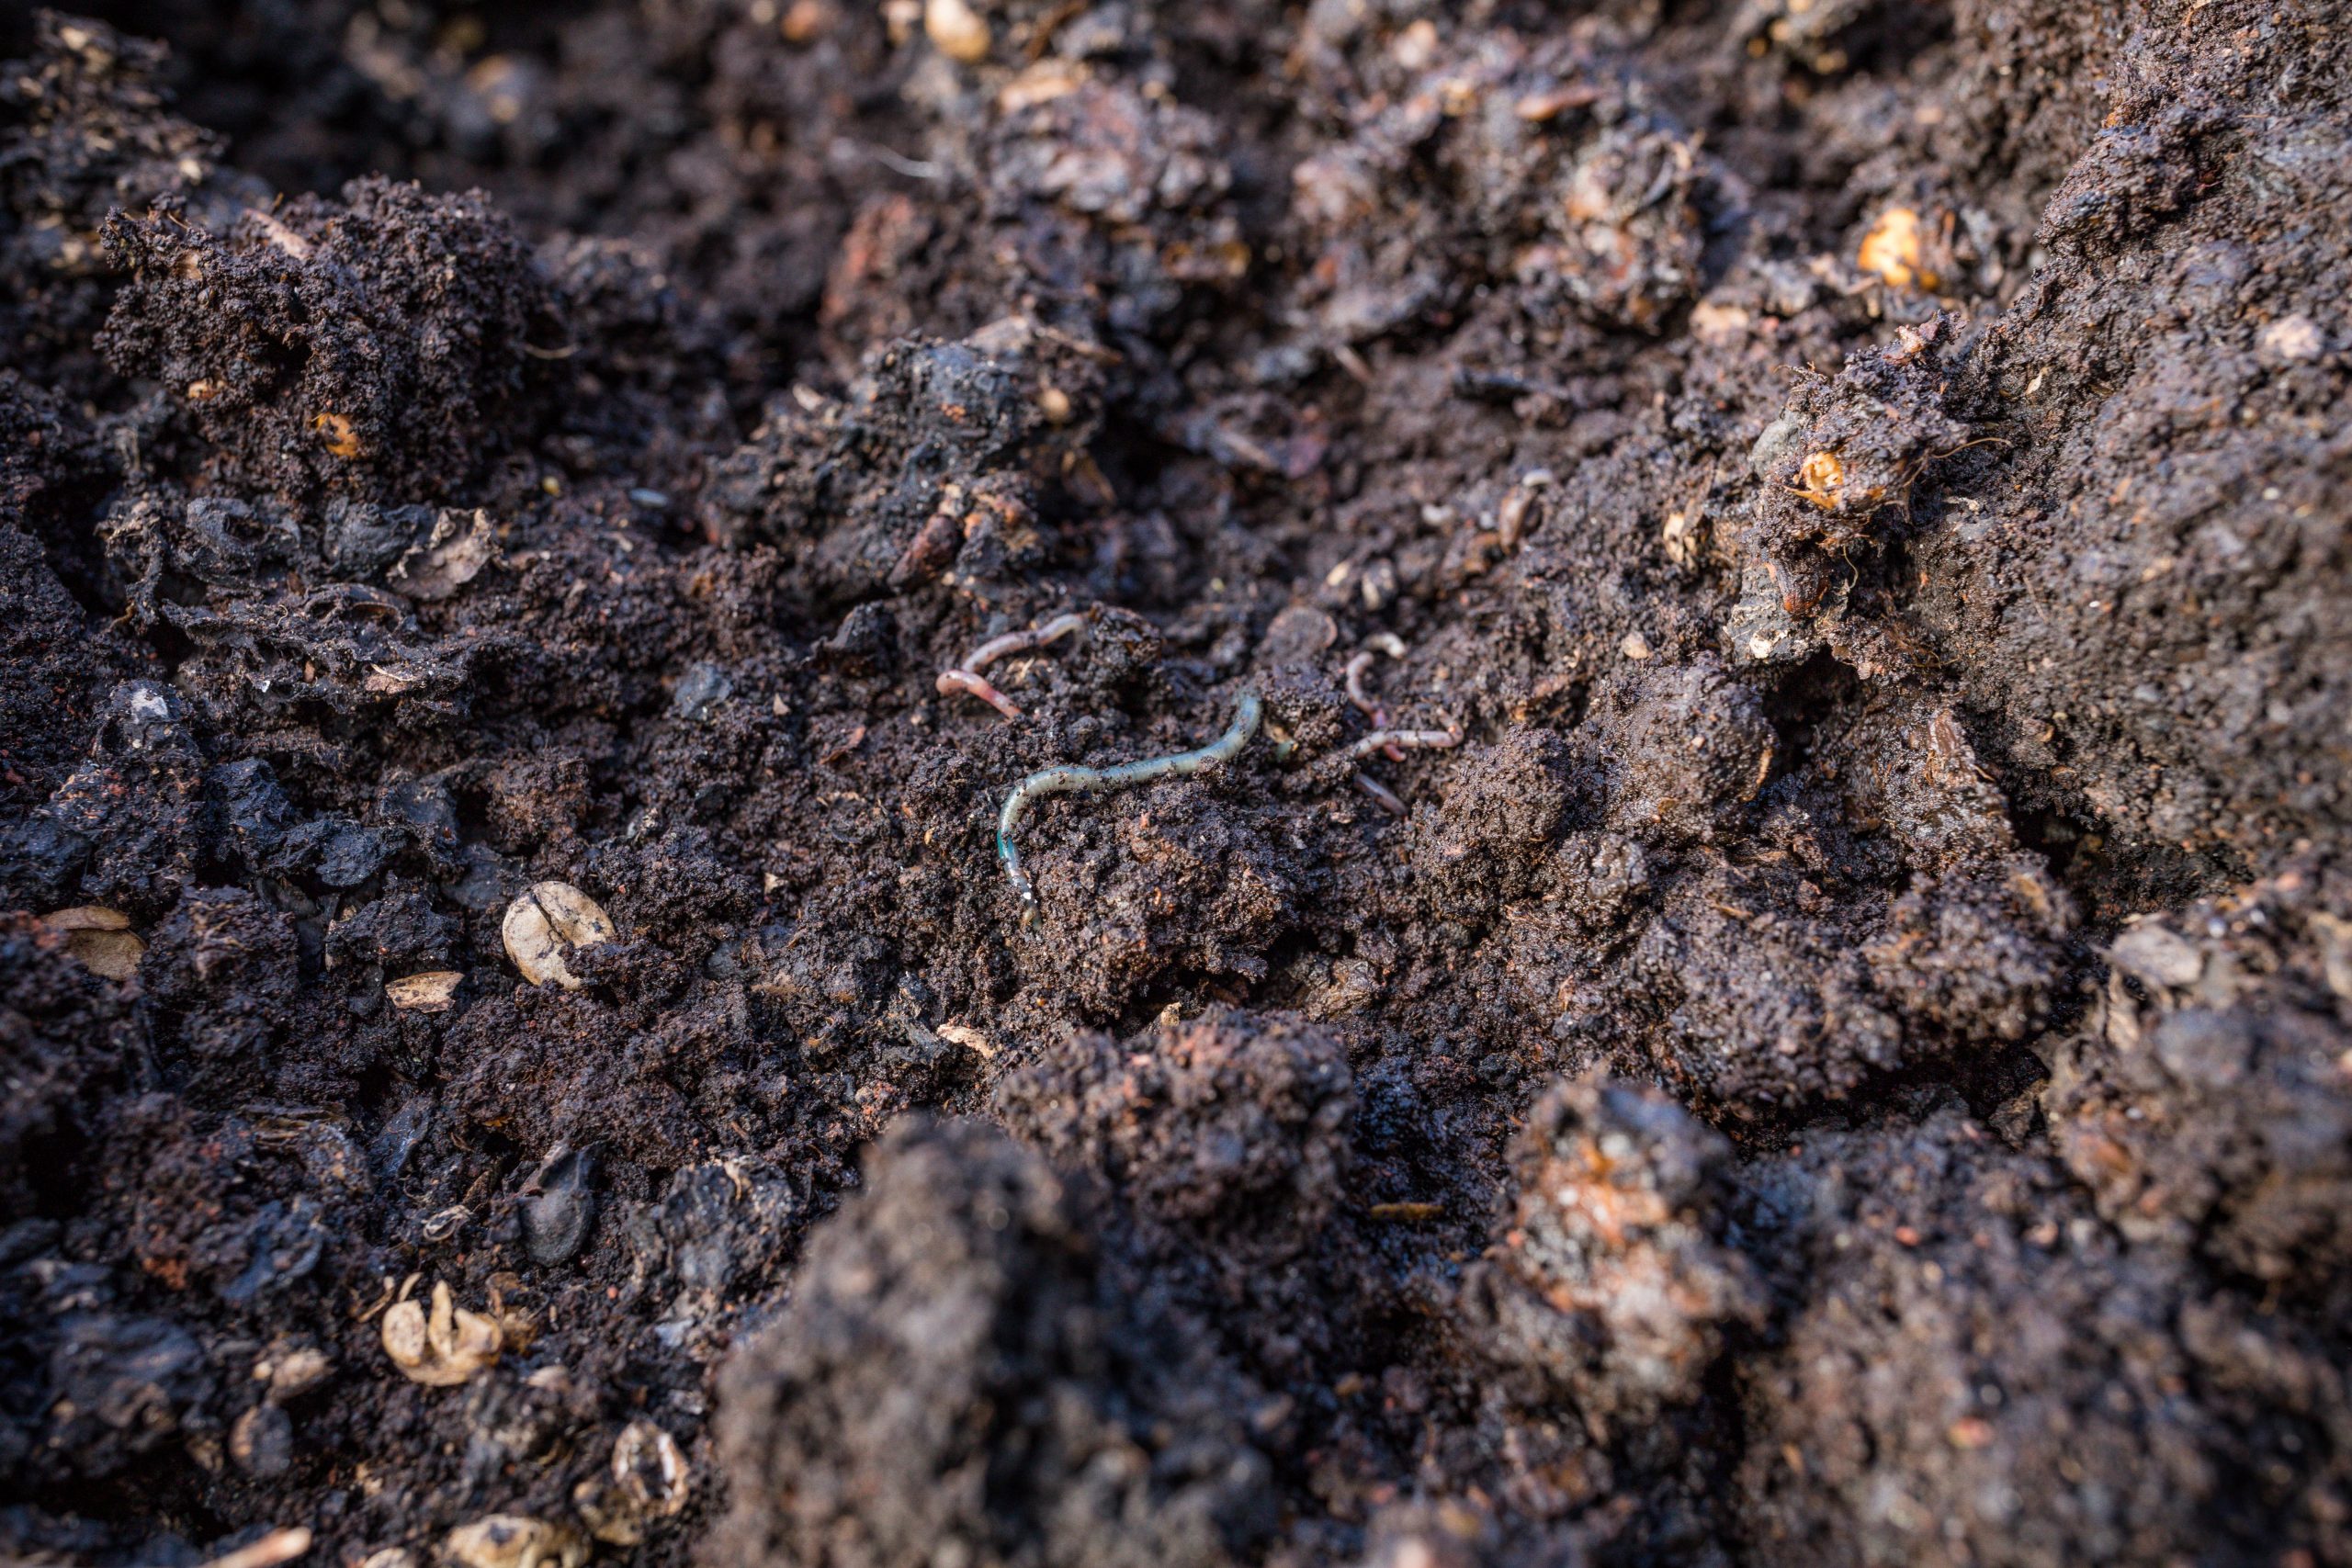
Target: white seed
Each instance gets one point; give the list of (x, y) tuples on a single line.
[(293, 1373), (432, 991), (650, 1483), (547, 918), (1635, 646)]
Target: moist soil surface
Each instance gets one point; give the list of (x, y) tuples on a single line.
[(1821, 1035)]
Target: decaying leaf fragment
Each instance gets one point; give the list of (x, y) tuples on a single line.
[(433, 991), (459, 546)]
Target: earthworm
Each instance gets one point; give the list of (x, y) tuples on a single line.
[(1392, 645), (1383, 797), (952, 680), (966, 676), (1404, 740), (996, 647), (1069, 779), (1356, 693)]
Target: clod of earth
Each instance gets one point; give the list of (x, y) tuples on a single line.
[(547, 920), (1850, 1062)]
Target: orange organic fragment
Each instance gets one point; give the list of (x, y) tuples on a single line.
[(337, 432), (1891, 250)]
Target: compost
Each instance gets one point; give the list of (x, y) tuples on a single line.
[(1739, 951)]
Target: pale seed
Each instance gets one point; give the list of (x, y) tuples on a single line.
[(546, 921), (957, 31), (515, 1540)]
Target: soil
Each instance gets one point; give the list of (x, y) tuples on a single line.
[(1832, 1043)]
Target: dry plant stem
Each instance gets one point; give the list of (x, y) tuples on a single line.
[(278, 1546), (1069, 779)]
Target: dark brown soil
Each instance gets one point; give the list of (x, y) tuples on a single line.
[(1848, 1059)]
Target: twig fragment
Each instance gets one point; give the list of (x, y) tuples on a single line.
[(278, 1546)]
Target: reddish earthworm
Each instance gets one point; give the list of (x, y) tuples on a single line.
[(1356, 693), (952, 680), (1371, 707), (966, 678), (996, 647)]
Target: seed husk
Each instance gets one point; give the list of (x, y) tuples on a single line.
[(443, 1348), (544, 922), (515, 1540), (99, 938)]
